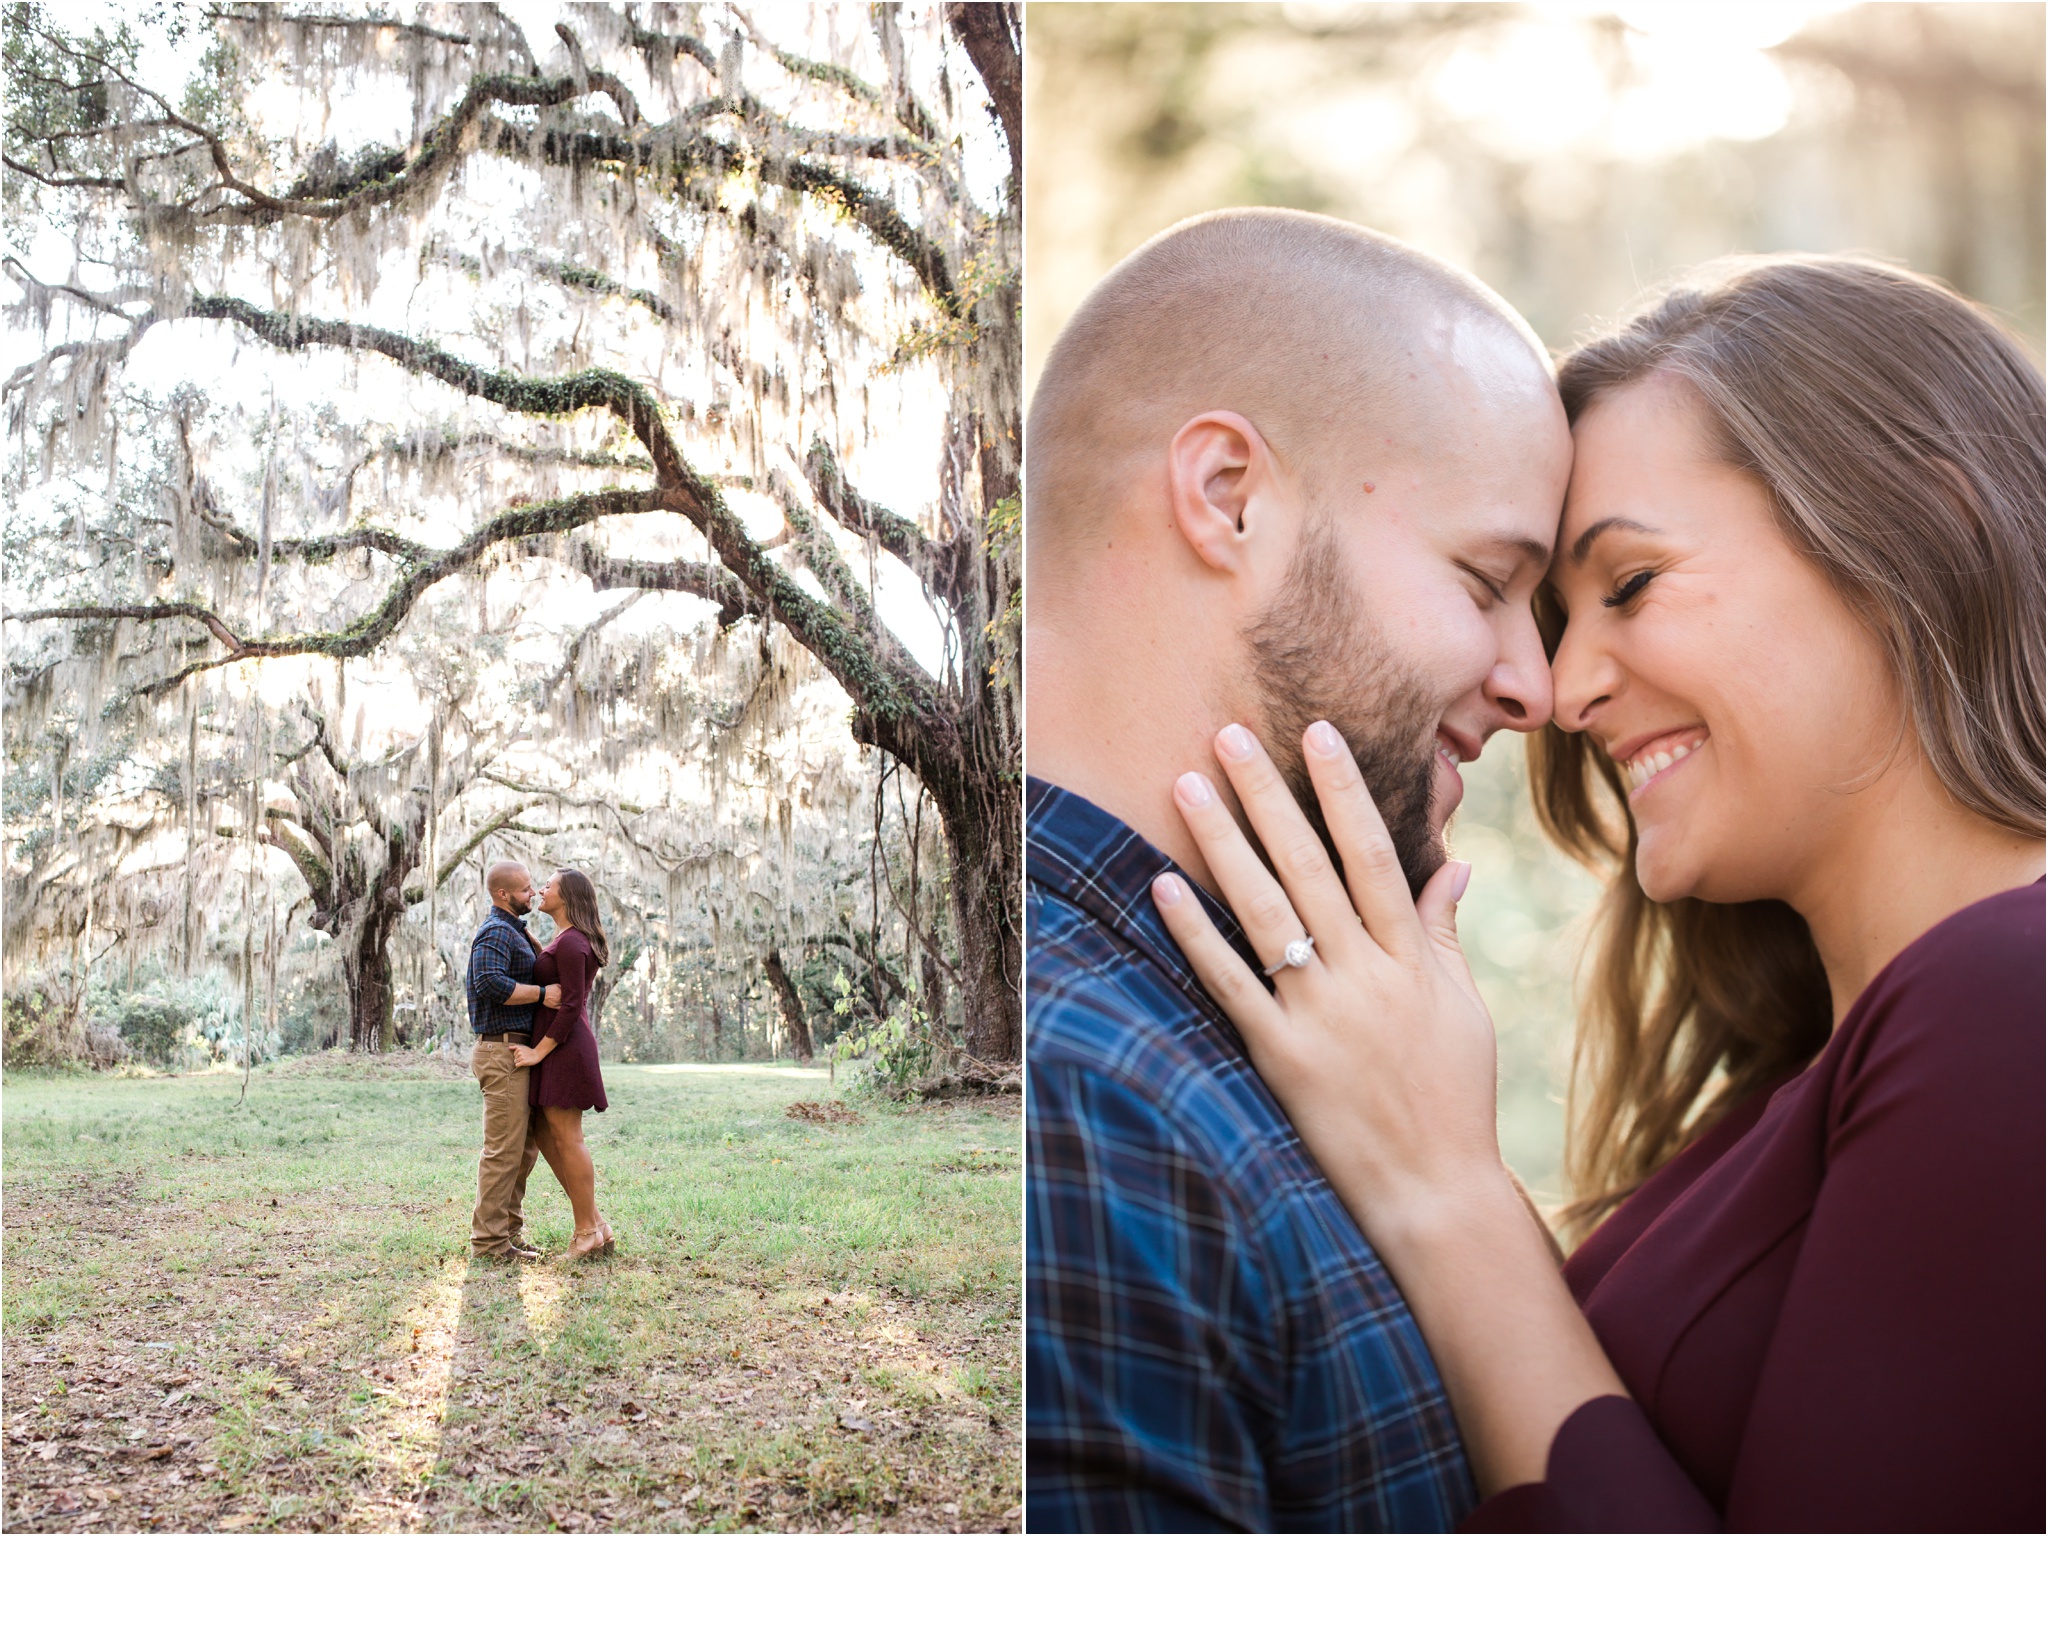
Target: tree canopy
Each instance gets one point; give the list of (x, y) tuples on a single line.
[(437, 433)]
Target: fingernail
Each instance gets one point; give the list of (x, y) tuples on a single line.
[(1236, 743), (1464, 880), (1325, 739), (1194, 789), (1168, 889)]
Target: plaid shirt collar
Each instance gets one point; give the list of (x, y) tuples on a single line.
[(500, 912), (1105, 868)]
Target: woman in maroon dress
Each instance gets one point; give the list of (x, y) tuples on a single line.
[(1796, 625), (566, 1083)]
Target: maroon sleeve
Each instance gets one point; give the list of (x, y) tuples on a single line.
[(1901, 1389), (1607, 1474), (572, 971)]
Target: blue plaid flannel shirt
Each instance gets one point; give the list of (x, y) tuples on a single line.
[(1210, 1342), (500, 957)]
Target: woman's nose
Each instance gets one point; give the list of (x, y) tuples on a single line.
[(1583, 676)]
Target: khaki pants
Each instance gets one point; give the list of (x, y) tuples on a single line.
[(509, 1150)]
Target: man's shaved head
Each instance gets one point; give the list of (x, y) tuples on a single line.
[(505, 876), (1313, 329), (1282, 469)]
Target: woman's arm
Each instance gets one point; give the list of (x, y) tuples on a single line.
[(1382, 1053), (572, 969), (1902, 1387)]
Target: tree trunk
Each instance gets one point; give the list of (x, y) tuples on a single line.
[(932, 991), (974, 781), (366, 967), (984, 840), (792, 1006)]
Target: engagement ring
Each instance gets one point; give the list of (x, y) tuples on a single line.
[(1296, 954)]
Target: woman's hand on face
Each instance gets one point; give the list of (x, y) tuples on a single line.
[(1379, 1048), (524, 1056)]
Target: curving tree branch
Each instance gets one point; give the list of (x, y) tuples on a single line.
[(370, 631), (307, 19), (682, 154), (993, 36), (898, 536), (506, 820)]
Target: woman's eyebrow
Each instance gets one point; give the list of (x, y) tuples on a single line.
[(1584, 542)]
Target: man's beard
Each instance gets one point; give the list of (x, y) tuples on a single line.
[(1315, 659)]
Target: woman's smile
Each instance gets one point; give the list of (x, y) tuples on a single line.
[(1647, 760)]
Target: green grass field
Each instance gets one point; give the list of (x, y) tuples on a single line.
[(265, 1317)]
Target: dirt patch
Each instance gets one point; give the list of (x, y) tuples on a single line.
[(822, 1113)]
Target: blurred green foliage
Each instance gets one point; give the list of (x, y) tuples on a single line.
[(1569, 156), (1522, 923)]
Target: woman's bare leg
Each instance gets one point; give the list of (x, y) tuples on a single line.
[(570, 1160), (550, 1149), (544, 1138), (547, 1139)]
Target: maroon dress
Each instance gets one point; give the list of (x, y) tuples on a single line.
[(568, 1077), (1828, 1310)]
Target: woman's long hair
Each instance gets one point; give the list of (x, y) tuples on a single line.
[(1898, 432), (579, 908)]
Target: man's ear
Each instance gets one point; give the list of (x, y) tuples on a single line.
[(1224, 484)]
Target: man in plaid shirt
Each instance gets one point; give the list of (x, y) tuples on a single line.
[(502, 998), (1282, 470)]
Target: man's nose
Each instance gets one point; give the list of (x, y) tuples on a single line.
[(1519, 685)]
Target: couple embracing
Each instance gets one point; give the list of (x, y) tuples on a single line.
[(535, 1057), (1311, 517)]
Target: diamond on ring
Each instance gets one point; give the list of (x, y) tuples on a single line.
[(1295, 954)]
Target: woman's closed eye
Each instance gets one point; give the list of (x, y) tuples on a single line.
[(1628, 590)]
